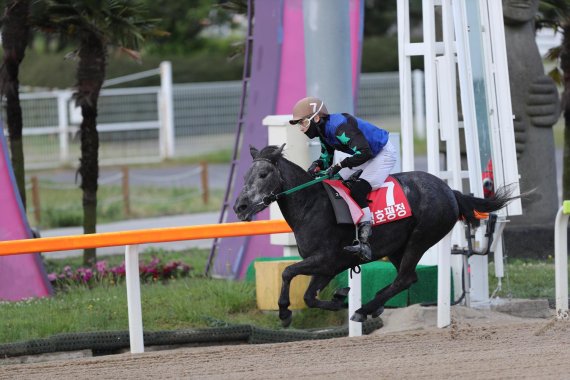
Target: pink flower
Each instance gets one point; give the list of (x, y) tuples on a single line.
[(84, 274), (67, 271), (119, 270), (154, 262), (101, 266), (154, 271)]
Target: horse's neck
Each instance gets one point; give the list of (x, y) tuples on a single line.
[(295, 205)]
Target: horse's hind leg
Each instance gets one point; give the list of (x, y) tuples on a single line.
[(406, 276), (318, 283)]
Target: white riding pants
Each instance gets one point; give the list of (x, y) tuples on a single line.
[(376, 170)]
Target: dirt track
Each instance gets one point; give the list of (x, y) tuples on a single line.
[(511, 349)]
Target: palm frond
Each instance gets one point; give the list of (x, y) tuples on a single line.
[(557, 76), (120, 23), (553, 54)]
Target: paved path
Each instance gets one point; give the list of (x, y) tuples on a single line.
[(138, 224), (217, 174), (217, 179), (180, 175)]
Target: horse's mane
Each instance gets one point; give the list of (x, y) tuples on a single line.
[(276, 155)]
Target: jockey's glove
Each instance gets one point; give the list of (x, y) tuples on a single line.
[(315, 167), (333, 170)]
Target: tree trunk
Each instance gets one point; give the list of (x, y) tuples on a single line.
[(565, 66), (15, 35), (90, 77)]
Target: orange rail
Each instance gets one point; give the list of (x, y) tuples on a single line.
[(153, 235)]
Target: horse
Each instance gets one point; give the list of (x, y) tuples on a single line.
[(320, 240)]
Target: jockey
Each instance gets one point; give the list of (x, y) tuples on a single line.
[(361, 145)]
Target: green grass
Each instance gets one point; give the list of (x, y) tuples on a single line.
[(191, 302), (199, 302), (223, 156), (525, 278), (61, 207)]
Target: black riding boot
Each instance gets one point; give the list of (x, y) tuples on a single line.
[(362, 247)]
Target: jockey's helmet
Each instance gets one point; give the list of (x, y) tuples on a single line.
[(308, 108)]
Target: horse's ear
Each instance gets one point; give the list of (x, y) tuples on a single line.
[(277, 154), (253, 151)]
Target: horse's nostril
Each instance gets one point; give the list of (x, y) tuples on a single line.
[(241, 208)]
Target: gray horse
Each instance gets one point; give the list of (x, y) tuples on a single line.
[(435, 208)]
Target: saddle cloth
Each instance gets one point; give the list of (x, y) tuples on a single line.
[(387, 204)]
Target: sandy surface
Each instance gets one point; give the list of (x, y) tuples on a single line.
[(478, 344)]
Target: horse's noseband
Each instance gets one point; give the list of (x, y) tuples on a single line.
[(272, 197), (269, 199)]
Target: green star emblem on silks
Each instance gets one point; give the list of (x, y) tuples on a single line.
[(343, 138), (325, 156), (356, 151)]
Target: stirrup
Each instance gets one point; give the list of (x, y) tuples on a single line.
[(360, 250)]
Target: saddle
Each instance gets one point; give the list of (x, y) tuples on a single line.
[(387, 204)]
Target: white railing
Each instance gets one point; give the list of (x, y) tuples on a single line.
[(127, 116), (561, 260), (143, 124), (131, 240)]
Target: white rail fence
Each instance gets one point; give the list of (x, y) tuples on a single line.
[(131, 240), (150, 124), (561, 260)]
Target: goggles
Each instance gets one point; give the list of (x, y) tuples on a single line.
[(304, 122)]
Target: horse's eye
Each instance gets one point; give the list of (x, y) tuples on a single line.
[(263, 175)]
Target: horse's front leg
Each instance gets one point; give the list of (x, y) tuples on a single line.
[(309, 266)]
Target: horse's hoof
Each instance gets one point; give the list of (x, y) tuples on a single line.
[(287, 321), (286, 317), (341, 293), (357, 317), (378, 312)]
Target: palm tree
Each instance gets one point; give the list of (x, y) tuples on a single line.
[(94, 25), (556, 14), (15, 36)]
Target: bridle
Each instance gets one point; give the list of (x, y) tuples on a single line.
[(272, 197)]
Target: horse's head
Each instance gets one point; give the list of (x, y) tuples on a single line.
[(261, 180)]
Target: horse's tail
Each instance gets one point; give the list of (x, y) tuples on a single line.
[(470, 206)]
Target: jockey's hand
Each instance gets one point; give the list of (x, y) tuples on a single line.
[(333, 170), (315, 168)]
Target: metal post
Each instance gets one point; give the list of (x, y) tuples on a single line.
[(126, 191), (327, 52), (134, 298), (204, 180), (63, 125), (444, 283), (419, 107), (561, 259), (329, 77), (405, 67), (166, 111)]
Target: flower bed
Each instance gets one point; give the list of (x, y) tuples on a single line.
[(102, 273)]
